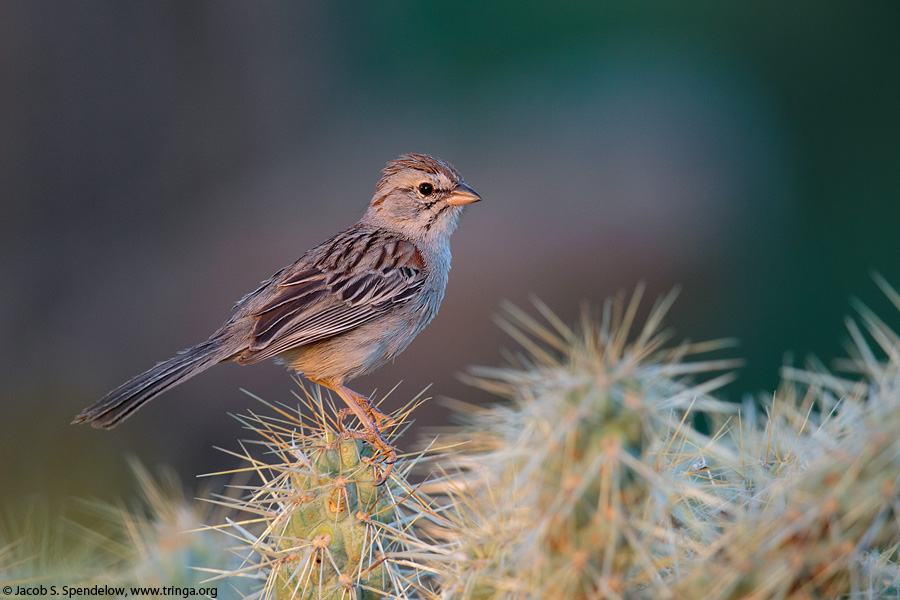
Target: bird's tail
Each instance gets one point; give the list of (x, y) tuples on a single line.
[(123, 401)]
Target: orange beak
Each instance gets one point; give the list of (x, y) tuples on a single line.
[(462, 195)]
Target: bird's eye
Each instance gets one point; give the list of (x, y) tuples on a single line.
[(426, 189)]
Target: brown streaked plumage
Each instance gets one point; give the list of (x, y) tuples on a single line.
[(344, 308)]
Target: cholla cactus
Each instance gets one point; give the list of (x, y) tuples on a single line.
[(170, 547), (324, 529), (158, 543), (563, 493), (328, 537), (818, 511), (593, 483)]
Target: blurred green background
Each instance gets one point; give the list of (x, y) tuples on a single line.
[(158, 159)]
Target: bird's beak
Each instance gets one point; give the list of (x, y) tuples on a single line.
[(462, 195)]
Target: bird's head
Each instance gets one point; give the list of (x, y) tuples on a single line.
[(420, 196)]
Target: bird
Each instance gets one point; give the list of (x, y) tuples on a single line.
[(343, 309)]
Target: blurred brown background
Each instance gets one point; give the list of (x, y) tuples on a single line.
[(158, 159)]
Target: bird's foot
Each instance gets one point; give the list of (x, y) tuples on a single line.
[(372, 420), (385, 454)]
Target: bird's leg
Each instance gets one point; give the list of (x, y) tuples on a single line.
[(364, 403), (372, 424), (372, 433)]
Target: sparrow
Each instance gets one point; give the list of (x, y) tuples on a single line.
[(344, 308)]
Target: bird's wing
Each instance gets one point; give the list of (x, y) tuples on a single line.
[(354, 278)]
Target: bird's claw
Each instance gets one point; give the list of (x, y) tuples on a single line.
[(385, 453)]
